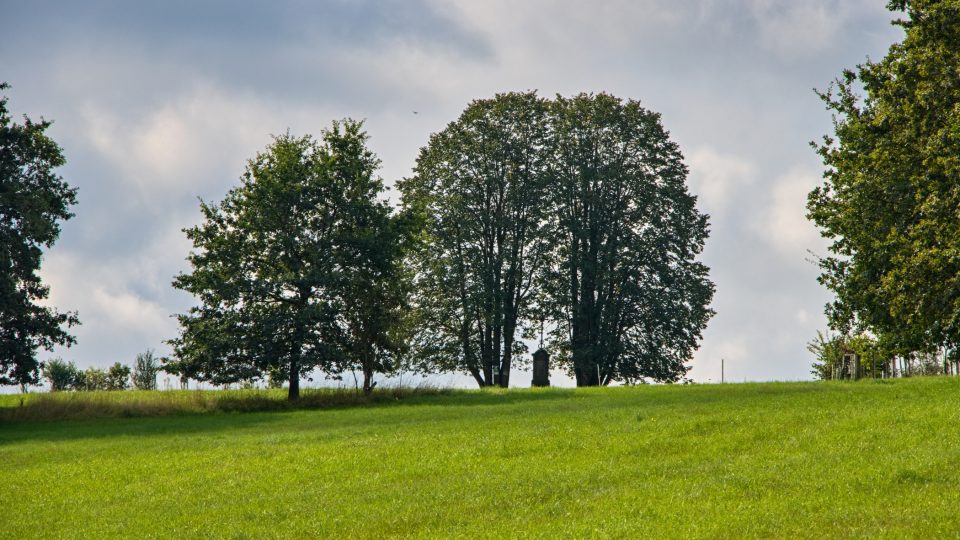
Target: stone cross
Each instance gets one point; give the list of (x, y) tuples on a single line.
[(541, 368)]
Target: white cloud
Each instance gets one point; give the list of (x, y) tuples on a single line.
[(782, 222), (717, 178), (734, 352), (124, 303), (198, 138)]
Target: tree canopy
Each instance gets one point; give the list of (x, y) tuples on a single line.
[(33, 202), (283, 266), (628, 296), (571, 212), (890, 199), (481, 185)]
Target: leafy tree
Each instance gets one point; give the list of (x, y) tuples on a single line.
[(627, 294), (276, 262), (118, 377), (92, 380), (481, 183), (891, 192), (61, 375), (145, 370), (33, 200)]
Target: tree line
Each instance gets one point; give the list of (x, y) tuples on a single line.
[(62, 375), (566, 219), (569, 214)]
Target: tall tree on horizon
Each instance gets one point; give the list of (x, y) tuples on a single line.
[(481, 185), (627, 294), (281, 261), (33, 200)]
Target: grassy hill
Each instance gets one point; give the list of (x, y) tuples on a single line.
[(780, 459)]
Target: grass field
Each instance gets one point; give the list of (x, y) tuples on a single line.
[(768, 460)]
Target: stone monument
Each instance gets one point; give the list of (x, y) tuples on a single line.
[(541, 368)]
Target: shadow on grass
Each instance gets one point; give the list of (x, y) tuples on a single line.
[(101, 428)]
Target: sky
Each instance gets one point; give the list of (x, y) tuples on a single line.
[(158, 105)]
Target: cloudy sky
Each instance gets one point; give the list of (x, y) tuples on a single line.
[(157, 106)]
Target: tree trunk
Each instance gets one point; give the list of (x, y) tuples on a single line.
[(509, 335), (368, 384), (485, 359), (293, 393), (507, 359)]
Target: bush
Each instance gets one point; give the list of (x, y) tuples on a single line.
[(145, 370), (62, 375), (118, 377), (92, 380)]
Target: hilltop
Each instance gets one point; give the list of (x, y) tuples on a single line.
[(775, 459)]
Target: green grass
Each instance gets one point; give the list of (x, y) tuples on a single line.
[(90, 405), (756, 460)]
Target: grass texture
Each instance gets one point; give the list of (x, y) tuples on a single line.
[(90, 405), (807, 460)]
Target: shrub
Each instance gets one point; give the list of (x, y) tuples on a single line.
[(92, 379), (118, 377), (145, 370), (61, 375)]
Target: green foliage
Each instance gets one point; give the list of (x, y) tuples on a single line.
[(275, 377), (829, 350), (284, 264), (481, 184), (628, 297), (118, 377), (572, 212), (62, 375), (787, 460), (145, 370), (92, 380), (33, 200), (889, 202)]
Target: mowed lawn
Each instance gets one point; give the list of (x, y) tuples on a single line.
[(716, 461)]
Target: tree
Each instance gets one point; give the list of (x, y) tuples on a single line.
[(33, 200), (61, 375), (92, 380), (480, 183), (891, 191), (628, 297), (118, 377), (145, 369), (276, 261)]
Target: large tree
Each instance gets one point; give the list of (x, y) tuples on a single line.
[(481, 184), (891, 194), (33, 202), (629, 297), (282, 266)]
